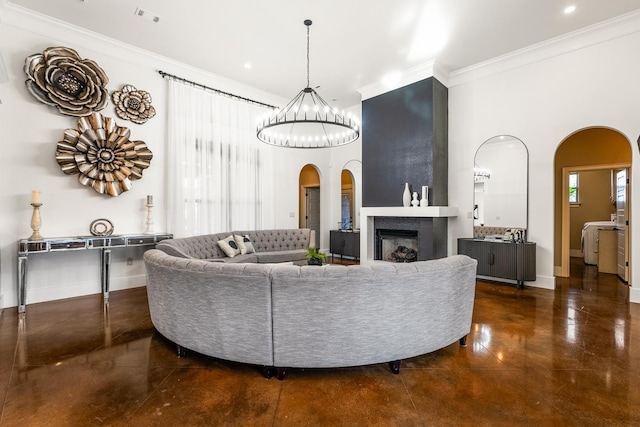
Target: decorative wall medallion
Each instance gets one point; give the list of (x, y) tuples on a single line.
[(102, 154), (101, 227), (133, 104), (59, 77)]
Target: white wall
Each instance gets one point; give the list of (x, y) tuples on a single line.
[(29, 131), (559, 89)]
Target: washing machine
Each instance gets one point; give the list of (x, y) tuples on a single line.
[(590, 239)]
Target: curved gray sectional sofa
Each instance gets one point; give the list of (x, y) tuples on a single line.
[(271, 246), (281, 316)]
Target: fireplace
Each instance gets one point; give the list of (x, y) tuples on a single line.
[(410, 233), (429, 222), (396, 245)]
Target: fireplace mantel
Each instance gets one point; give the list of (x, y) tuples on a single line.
[(412, 212), (368, 214)]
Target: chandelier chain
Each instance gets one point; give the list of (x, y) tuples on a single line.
[(308, 25)]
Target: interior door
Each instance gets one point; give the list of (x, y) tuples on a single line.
[(313, 210), (622, 223)]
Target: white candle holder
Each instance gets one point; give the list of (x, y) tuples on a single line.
[(149, 229), (36, 222)]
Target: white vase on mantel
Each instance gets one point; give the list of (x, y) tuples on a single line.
[(406, 196), (425, 196)]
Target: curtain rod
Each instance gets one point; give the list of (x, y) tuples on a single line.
[(218, 91)]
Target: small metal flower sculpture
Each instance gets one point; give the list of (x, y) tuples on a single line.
[(133, 104), (102, 154), (59, 77)]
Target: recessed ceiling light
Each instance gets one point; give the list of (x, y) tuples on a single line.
[(247, 65), (570, 9), (146, 15)]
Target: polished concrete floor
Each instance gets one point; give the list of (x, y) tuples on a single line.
[(534, 357)]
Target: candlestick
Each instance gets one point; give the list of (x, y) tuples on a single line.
[(36, 222), (149, 229)]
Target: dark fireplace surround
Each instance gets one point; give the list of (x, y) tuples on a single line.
[(405, 140)]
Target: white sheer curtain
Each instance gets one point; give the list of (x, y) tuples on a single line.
[(219, 174)]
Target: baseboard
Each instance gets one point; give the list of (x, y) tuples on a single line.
[(543, 282), (634, 295), (577, 253)]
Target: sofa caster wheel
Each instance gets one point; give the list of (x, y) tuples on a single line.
[(463, 341), (395, 366), (182, 352), (281, 373)]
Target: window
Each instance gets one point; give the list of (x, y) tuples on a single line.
[(573, 188)]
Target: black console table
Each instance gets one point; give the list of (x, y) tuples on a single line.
[(343, 242), (60, 244), (502, 259)]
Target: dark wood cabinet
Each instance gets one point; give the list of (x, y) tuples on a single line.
[(344, 243), (504, 260)]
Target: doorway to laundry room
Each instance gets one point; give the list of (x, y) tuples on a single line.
[(591, 209)]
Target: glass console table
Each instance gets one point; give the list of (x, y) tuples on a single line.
[(27, 247)]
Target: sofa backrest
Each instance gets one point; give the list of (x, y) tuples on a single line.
[(280, 240), (219, 309), (333, 316), (206, 246), (199, 247)]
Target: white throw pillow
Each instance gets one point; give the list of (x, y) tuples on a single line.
[(229, 246), (245, 244)]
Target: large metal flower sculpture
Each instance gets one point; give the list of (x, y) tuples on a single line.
[(59, 77), (102, 154), (133, 104)]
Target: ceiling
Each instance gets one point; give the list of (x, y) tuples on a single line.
[(354, 43)]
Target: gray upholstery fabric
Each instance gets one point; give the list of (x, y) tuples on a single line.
[(282, 256), (219, 309), (271, 246), (345, 316), (290, 316)]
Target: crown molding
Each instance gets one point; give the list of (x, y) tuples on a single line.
[(594, 34), (412, 75)]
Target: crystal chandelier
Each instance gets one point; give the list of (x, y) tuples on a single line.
[(308, 121)]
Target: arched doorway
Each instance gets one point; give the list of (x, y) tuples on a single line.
[(589, 158), (309, 206), (347, 200)]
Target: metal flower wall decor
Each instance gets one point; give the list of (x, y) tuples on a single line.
[(60, 78), (102, 154), (133, 104)]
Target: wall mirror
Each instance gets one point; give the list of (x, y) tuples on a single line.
[(501, 183)]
